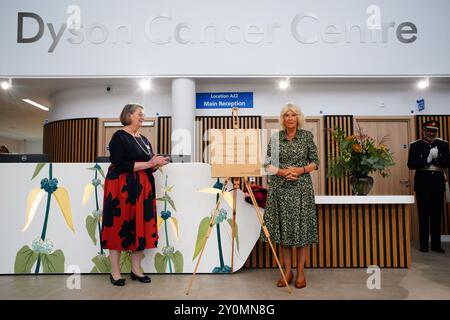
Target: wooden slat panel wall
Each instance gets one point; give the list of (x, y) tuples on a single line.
[(71, 140), (336, 186), (164, 135), (353, 236), (444, 133)]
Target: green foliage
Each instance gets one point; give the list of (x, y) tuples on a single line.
[(91, 226), (359, 155), (102, 264), (125, 262), (38, 169), (178, 261), (167, 198), (202, 231), (25, 259), (161, 262), (53, 262)]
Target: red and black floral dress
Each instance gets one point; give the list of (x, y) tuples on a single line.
[(129, 205)]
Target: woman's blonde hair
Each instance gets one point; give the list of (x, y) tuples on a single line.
[(127, 111), (296, 110)]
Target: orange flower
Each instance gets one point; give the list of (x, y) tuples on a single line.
[(357, 148), (350, 138)]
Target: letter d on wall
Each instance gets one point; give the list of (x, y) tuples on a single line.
[(20, 16)]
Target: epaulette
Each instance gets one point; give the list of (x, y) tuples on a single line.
[(416, 141)]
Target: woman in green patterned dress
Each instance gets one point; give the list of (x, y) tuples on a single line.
[(290, 213)]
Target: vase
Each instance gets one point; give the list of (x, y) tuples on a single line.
[(361, 185)]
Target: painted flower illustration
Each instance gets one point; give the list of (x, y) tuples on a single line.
[(101, 261), (41, 251), (169, 257), (220, 217)]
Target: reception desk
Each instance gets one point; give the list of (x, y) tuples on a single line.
[(354, 232)]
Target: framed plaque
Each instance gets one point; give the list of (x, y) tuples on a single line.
[(235, 152)]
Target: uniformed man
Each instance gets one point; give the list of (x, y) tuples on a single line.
[(429, 156)]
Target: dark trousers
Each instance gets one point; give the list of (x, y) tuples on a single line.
[(429, 205)]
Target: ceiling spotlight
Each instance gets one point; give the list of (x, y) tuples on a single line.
[(6, 84), (423, 84), (33, 103), (284, 84), (145, 84)]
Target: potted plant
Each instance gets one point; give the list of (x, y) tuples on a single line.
[(358, 156)]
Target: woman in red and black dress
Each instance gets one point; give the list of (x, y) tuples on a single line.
[(129, 208)]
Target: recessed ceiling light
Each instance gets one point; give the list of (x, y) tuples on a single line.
[(5, 85), (40, 106), (284, 84), (423, 84), (145, 84)]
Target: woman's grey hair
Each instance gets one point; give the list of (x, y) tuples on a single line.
[(127, 111), (294, 109)]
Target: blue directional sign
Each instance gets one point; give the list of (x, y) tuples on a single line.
[(221, 100)]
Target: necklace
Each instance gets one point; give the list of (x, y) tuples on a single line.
[(148, 152), (143, 142)]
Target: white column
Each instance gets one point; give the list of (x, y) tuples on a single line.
[(183, 117)]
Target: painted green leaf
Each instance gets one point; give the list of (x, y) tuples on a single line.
[(167, 198), (236, 233), (25, 259), (53, 262), (38, 169), (101, 172), (125, 262), (94, 270), (161, 263), (102, 264), (178, 261), (202, 231), (91, 226), (172, 204)]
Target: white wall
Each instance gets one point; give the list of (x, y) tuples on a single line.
[(22, 146), (357, 97), (98, 103), (13, 145), (33, 146), (252, 37)]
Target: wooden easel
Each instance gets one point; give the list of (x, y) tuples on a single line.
[(235, 181)]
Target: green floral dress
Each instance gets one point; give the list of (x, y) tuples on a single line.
[(290, 213)]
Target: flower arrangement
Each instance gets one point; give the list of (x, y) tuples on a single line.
[(360, 155)]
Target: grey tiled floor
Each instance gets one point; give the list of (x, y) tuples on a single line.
[(428, 278)]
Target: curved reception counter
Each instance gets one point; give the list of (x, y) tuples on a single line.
[(51, 217)]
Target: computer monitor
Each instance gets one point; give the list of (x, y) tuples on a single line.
[(23, 157), (180, 158), (102, 159)]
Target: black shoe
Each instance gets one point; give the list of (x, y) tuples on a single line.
[(439, 250), (423, 249), (144, 279), (119, 282)]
